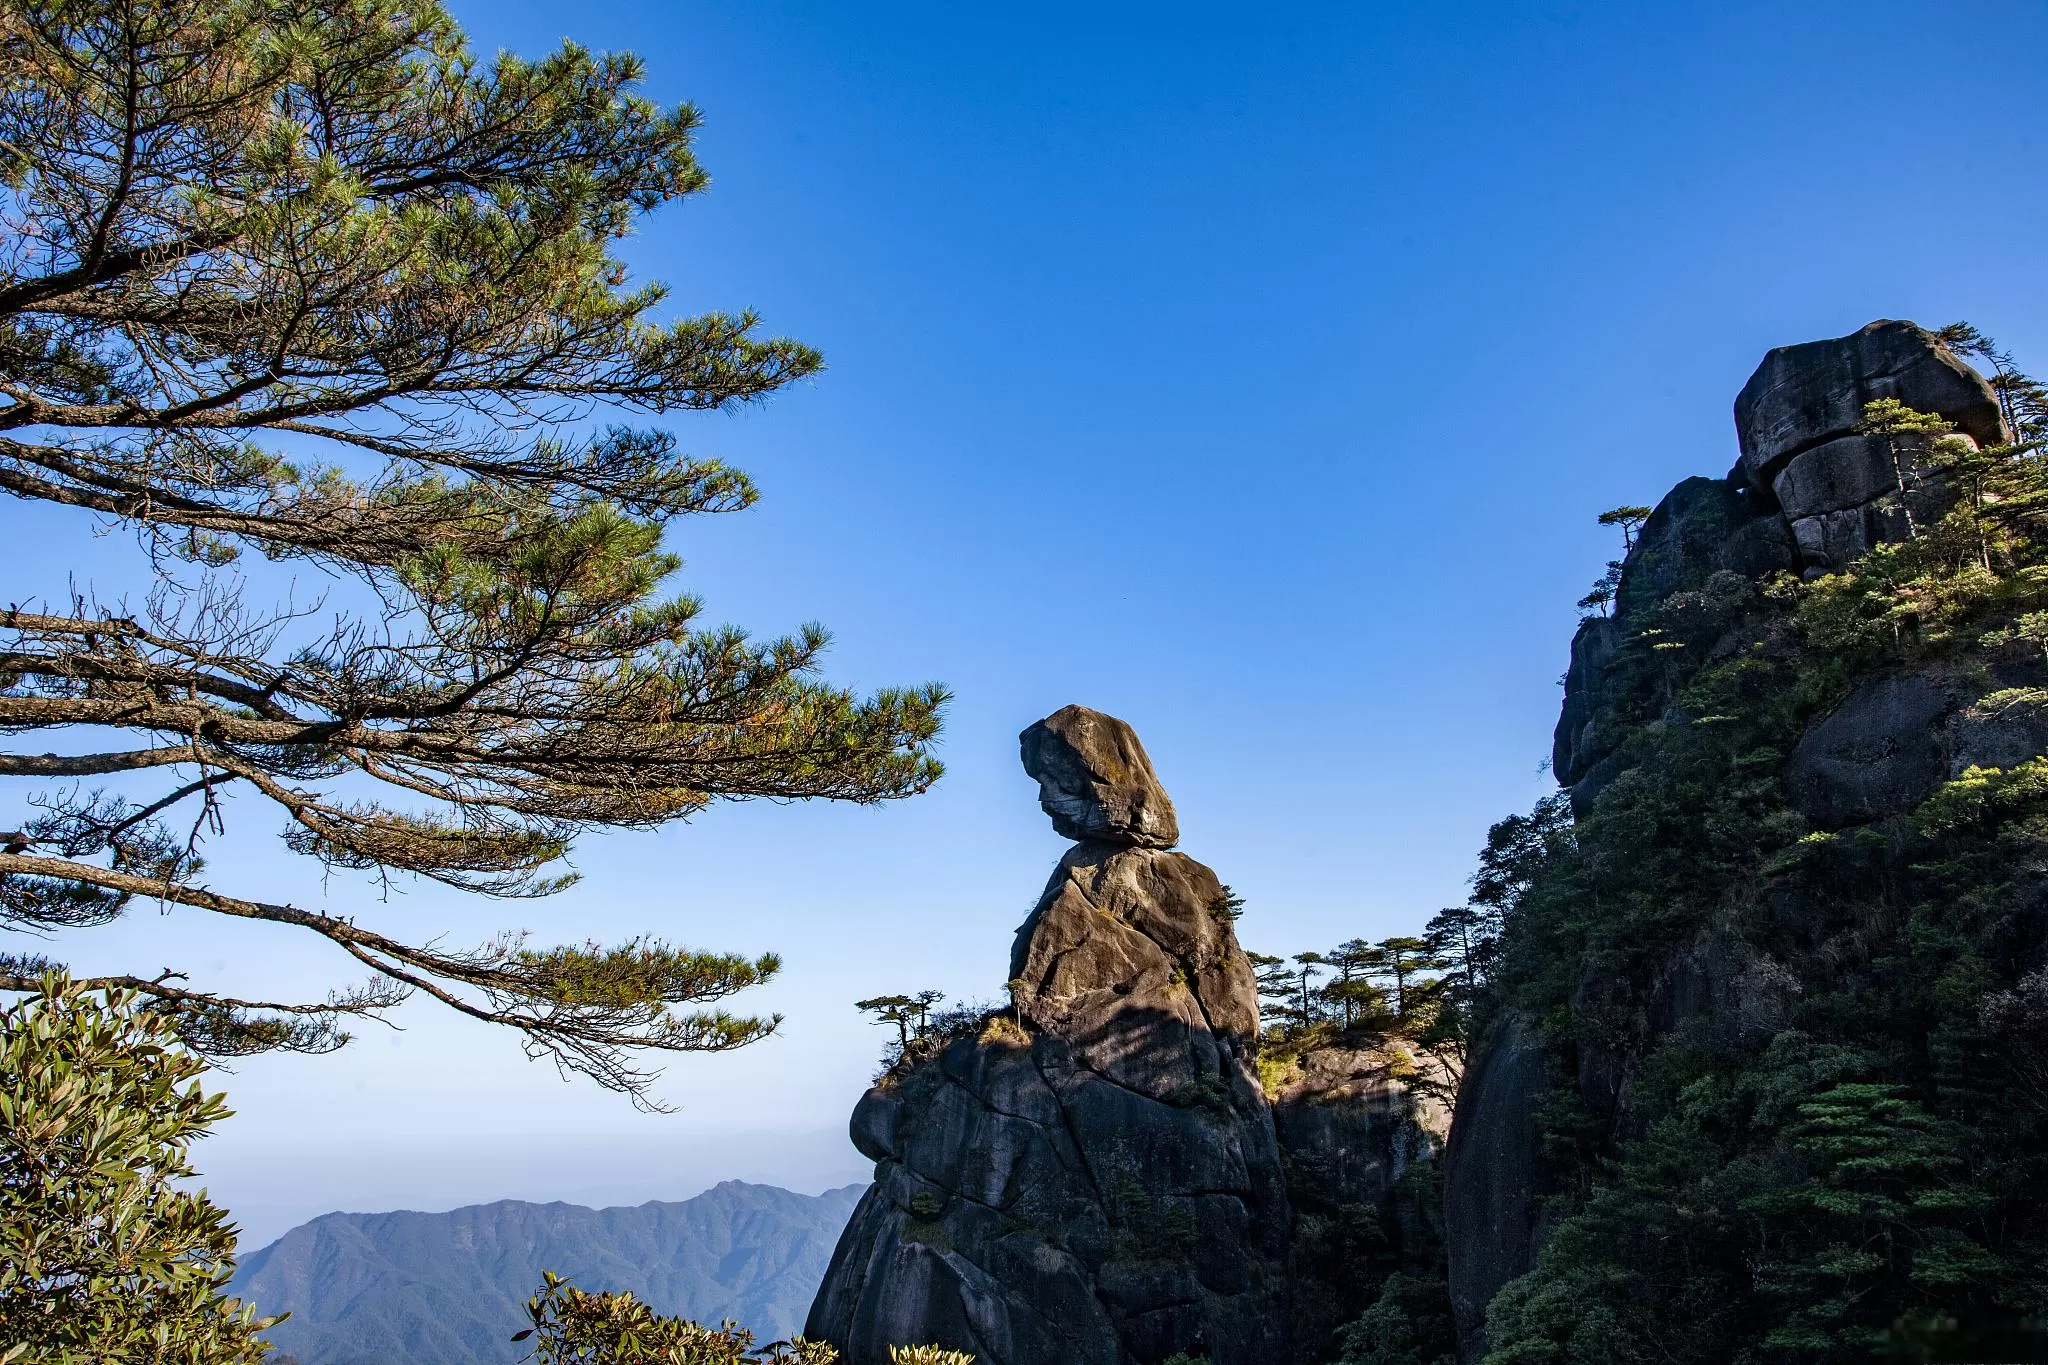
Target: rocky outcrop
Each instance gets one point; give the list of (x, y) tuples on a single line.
[(1802, 396), (1359, 1128), (1096, 1178), (1359, 1118), (1877, 754), (1808, 493), (1893, 740)]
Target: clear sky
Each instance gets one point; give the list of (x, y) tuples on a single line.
[(1253, 373)]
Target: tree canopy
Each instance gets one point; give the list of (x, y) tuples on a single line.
[(320, 286)]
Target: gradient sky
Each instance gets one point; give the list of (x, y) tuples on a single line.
[(1253, 376)]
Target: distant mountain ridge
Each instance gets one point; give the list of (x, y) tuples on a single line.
[(447, 1288)]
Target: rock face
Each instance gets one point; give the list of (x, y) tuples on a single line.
[(1801, 396), (1893, 740), (1355, 1116), (1492, 1188), (1353, 1123), (1102, 1185), (1807, 493)]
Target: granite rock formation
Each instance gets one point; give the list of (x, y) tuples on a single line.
[(1354, 1122), (1838, 492), (1807, 494), (1097, 1179), (1492, 1169), (1810, 495), (1095, 781)]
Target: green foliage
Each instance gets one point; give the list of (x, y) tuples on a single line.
[(2023, 399), (106, 1253), (320, 283), (1409, 1324), (1357, 990), (572, 1326), (1630, 519), (575, 1327), (1228, 906), (1983, 794), (923, 1029), (1599, 599)]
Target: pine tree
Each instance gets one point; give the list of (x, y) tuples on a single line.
[(1307, 967), (900, 1010), (1891, 419), (2022, 399), (1607, 587), (1403, 959), (1630, 519), (1464, 936), (1352, 991), (1277, 987), (318, 285)]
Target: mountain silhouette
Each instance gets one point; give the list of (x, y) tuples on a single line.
[(448, 1288)]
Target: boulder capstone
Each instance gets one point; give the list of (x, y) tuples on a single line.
[(1837, 492), (1095, 780), (1801, 396)]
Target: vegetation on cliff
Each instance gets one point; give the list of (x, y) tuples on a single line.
[(575, 1327), (1847, 1160)]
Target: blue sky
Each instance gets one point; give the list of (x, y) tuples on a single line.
[(1253, 376)]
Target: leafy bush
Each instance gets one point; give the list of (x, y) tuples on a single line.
[(104, 1256), (572, 1326)]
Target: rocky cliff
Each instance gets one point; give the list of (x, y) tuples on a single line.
[(1098, 1178), (1738, 1090)]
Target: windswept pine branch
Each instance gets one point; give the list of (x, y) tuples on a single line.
[(325, 285)]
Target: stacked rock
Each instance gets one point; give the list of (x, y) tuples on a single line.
[(1102, 1186), (1841, 492)]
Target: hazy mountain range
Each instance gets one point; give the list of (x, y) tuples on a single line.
[(447, 1288)]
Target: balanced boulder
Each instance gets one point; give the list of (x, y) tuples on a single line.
[(1095, 780)]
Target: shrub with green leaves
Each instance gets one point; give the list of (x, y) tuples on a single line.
[(573, 1326), (105, 1254)]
